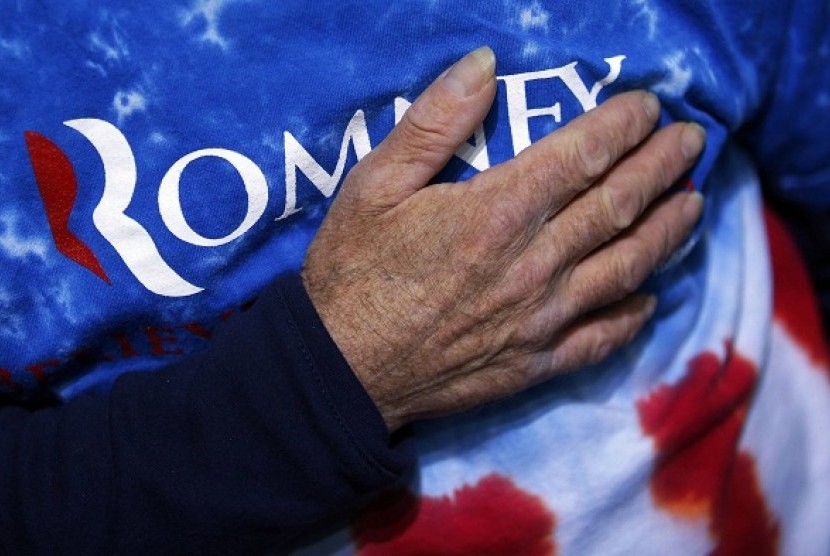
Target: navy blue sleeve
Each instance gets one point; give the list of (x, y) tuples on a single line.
[(233, 451)]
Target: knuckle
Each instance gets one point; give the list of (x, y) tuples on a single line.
[(423, 130), (620, 206), (591, 154), (529, 277), (508, 211), (603, 344), (554, 173), (630, 266), (579, 299), (505, 218), (535, 175)]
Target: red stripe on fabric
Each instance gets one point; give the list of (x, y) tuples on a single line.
[(700, 473), (795, 304), (493, 516)]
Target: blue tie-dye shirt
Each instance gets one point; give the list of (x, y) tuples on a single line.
[(160, 162)]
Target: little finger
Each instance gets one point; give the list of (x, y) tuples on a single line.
[(593, 338)]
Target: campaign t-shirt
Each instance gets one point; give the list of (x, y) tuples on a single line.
[(161, 162)]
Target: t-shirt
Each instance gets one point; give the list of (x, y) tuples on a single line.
[(162, 162)]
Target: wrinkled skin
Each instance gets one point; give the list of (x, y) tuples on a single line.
[(445, 297)]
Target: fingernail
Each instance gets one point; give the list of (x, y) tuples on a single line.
[(692, 140), (651, 104), (470, 73), (692, 207)]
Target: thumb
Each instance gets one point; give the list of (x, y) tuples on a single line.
[(431, 130)]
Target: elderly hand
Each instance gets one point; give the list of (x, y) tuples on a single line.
[(445, 297)]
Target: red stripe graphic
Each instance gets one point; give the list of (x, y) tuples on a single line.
[(59, 188), (493, 517), (795, 304), (700, 473)]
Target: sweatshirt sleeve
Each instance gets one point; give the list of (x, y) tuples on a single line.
[(236, 450)]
